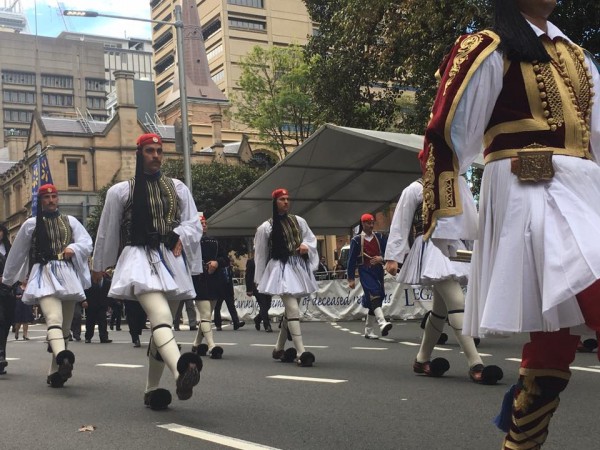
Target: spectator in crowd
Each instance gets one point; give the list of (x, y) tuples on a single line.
[(263, 300), (136, 321), (116, 314), (96, 306), (208, 289), (190, 309), (23, 313), (227, 294)]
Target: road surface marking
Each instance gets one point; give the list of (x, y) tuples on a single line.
[(368, 348), (514, 359), (213, 437), (316, 380), (355, 332), (412, 344), (585, 369), (125, 366)]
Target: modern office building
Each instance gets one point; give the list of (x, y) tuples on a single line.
[(230, 28), (131, 54), (57, 77)]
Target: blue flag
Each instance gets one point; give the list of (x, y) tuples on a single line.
[(40, 175)]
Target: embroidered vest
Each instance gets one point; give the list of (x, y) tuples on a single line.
[(164, 207), (60, 235), (291, 232), (543, 105)]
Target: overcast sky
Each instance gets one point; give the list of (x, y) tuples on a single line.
[(50, 22)]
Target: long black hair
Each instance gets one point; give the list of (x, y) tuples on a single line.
[(518, 41), (43, 249), (141, 224), (5, 240), (279, 249)]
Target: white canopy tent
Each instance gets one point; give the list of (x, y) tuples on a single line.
[(333, 177)]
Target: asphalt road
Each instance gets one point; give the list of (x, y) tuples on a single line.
[(361, 394)]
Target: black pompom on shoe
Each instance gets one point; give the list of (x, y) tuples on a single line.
[(306, 359), (65, 360), (157, 399), (216, 352), (289, 355)]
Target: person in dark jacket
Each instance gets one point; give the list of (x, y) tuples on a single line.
[(96, 305), (7, 301), (263, 300), (226, 294)]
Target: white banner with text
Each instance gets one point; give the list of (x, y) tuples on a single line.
[(336, 301)]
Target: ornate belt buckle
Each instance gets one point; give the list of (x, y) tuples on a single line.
[(533, 165), (60, 256)]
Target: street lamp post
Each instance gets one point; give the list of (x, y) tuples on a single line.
[(178, 24)]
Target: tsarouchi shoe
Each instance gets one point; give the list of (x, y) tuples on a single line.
[(157, 399), (189, 366)]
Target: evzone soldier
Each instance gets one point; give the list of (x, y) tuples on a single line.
[(524, 92), (208, 286), (285, 256), (56, 248), (424, 264), (366, 251), (158, 252)]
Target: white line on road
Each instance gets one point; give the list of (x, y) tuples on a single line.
[(390, 340), (316, 380), (585, 369), (125, 366), (481, 354), (368, 348), (412, 344), (13, 359), (213, 437), (443, 349), (273, 345), (355, 332), (344, 329), (514, 359)]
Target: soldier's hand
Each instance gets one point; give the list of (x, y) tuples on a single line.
[(68, 253), (302, 249), (212, 266), (391, 267), (351, 284), (97, 277), (178, 249)]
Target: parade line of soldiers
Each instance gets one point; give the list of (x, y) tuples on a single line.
[(522, 91)]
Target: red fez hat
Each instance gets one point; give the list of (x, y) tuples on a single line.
[(366, 217), (47, 189), (148, 138), (422, 160), (279, 193)]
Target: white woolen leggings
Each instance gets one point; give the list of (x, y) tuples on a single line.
[(291, 321), (160, 311), (447, 296), (57, 313), (205, 308)]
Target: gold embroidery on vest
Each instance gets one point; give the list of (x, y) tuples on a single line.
[(446, 187), (428, 180), (466, 46)]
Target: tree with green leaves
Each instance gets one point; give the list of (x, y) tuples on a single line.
[(274, 97), (213, 186)]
